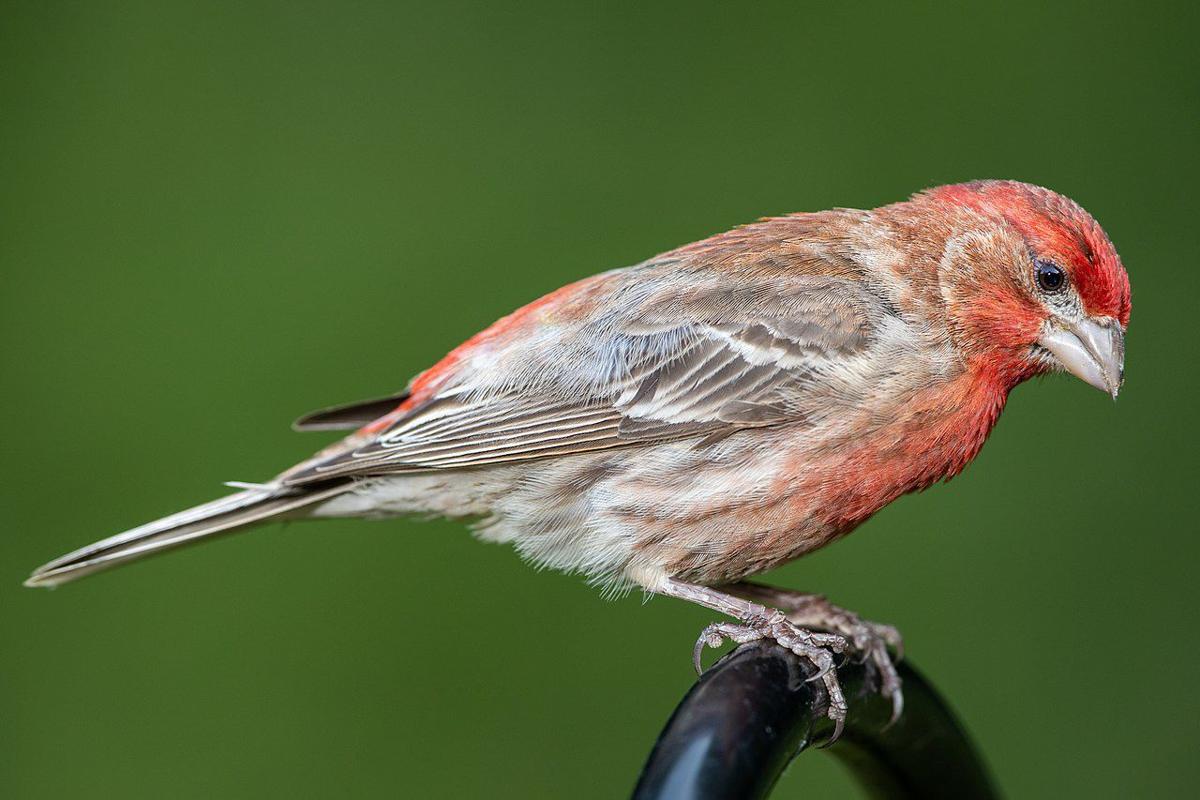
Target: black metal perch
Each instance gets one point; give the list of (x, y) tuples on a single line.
[(749, 715)]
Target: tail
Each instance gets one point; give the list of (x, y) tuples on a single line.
[(242, 510)]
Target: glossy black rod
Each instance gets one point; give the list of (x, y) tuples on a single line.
[(748, 716)]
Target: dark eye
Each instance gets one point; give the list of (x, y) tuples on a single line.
[(1051, 277)]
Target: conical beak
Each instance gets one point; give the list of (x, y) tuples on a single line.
[(1091, 350)]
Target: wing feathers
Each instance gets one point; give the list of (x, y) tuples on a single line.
[(708, 376), (349, 416)]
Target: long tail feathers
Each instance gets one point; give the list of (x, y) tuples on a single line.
[(236, 511)]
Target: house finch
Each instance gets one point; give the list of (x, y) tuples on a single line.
[(722, 408)]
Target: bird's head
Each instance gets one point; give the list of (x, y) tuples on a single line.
[(1032, 282)]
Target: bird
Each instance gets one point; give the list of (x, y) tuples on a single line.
[(680, 425)]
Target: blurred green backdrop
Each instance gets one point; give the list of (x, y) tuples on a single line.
[(215, 217)]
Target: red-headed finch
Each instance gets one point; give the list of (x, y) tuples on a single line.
[(722, 408)]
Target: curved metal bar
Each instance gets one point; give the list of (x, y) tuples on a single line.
[(749, 715)]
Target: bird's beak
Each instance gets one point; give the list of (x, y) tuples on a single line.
[(1091, 350)]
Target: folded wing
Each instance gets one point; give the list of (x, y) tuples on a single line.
[(706, 364)]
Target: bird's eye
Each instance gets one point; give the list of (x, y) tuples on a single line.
[(1051, 278)]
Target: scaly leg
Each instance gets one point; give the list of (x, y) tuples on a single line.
[(869, 639), (760, 622)]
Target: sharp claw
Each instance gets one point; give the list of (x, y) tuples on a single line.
[(897, 708), (839, 724), (709, 637), (822, 669)]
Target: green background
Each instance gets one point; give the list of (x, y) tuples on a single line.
[(215, 217)]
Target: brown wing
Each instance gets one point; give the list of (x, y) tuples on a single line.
[(708, 365)]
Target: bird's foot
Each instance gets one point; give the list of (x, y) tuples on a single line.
[(872, 642), (817, 648)]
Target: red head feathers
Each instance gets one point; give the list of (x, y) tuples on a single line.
[(1057, 229)]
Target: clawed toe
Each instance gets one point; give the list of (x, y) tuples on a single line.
[(806, 624), (890, 636), (716, 634), (874, 649), (817, 648), (870, 642), (889, 681)]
